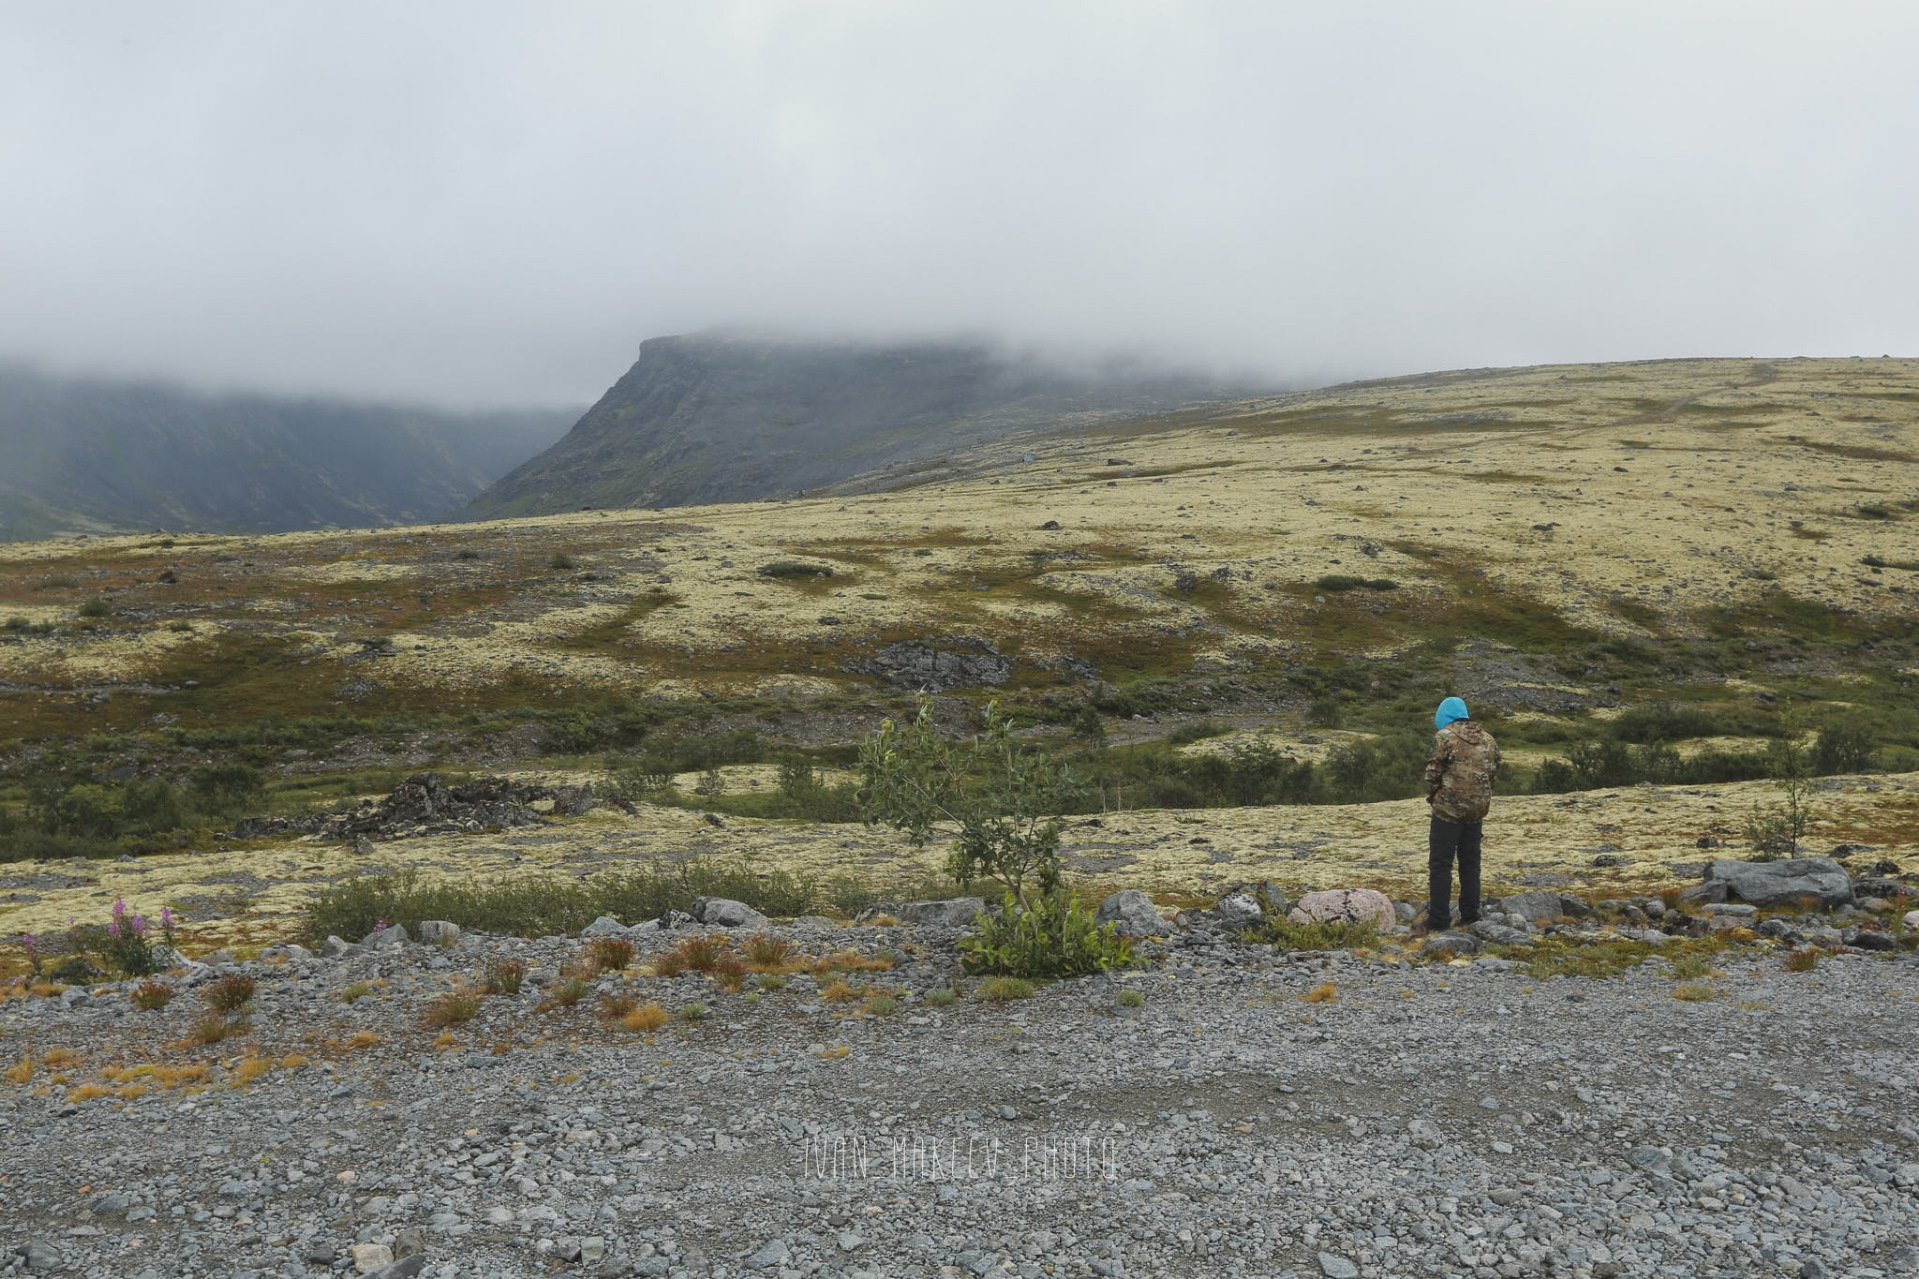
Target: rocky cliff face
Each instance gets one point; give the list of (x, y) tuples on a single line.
[(726, 418), (95, 455)]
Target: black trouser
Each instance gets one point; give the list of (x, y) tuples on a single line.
[(1446, 840)]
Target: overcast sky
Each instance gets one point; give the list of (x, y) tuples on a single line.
[(486, 203)]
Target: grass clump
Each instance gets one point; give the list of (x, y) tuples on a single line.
[(616, 1007), (452, 1008), (701, 954), (943, 997), (1692, 992), (1691, 967), (607, 955), (503, 976), (1324, 993), (767, 953), (562, 563), (212, 1028), (1283, 934), (1000, 990), (230, 994), (1130, 999), (150, 994), (647, 1017), (693, 1012), (771, 981), (357, 991), (1803, 960), (94, 608), (570, 991), (882, 1005)]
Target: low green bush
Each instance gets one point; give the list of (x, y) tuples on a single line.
[(1346, 582), (1283, 934), (1054, 935), (541, 905), (789, 569)]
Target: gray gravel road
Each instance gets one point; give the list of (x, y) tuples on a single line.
[(1446, 1120)]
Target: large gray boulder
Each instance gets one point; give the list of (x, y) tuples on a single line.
[(1134, 913), (1783, 883), (954, 912), (1537, 907), (604, 926), (724, 912), (1238, 912)]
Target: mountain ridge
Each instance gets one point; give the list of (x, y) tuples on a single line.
[(726, 417)]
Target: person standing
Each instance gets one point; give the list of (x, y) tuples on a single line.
[(1459, 786)]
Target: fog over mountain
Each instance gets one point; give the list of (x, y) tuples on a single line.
[(487, 203), (727, 417)]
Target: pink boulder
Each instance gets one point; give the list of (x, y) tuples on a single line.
[(1345, 906)]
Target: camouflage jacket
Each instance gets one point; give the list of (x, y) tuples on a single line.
[(1459, 776)]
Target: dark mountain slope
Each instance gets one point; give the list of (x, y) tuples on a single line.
[(726, 418), (79, 455)]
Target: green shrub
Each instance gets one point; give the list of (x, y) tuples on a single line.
[(1368, 770), (227, 788), (1842, 747), (542, 905), (76, 970), (1051, 935), (807, 796), (1195, 730), (1666, 722), (94, 608), (1130, 999), (693, 1012), (1283, 934), (1000, 990), (942, 997), (789, 569), (562, 562)]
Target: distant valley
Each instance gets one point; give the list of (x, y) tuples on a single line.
[(93, 455)]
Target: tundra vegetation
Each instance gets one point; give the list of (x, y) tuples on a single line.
[(1693, 575)]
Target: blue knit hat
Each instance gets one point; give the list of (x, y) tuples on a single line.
[(1449, 710)]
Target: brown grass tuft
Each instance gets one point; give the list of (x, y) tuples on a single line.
[(767, 953), (230, 994), (151, 994), (647, 1017), (606, 955), (1324, 993), (503, 976), (452, 1008)]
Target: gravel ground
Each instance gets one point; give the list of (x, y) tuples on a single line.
[(1457, 1119)]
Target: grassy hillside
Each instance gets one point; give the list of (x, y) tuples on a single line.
[(1651, 572), (99, 456)]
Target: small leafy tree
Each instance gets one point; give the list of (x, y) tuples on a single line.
[(1776, 832), (1002, 798)]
